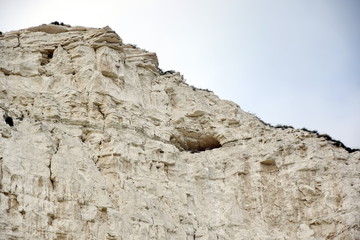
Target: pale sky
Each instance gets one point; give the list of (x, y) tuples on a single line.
[(291, 62)]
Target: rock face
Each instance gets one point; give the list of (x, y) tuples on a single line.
[(96, 142)]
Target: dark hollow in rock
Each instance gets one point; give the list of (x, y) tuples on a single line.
[(47, 55), (9, 121), (195, 142)]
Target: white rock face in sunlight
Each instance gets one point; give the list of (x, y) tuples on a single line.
[(96, 142)]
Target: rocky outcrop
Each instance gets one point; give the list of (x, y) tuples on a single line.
[(105, 145)]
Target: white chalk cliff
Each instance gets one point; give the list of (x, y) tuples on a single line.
[(96, 142)]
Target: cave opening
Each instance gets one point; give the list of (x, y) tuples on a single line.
[(47, 55), (9, 121), (195, 142)]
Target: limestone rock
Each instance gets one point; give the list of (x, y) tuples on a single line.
[(104, 145)]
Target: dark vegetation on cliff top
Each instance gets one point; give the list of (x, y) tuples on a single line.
[(332, 141), (60, 24)]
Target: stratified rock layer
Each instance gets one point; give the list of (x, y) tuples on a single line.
[(104, 145)]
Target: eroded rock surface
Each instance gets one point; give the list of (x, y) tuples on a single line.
[(104, 145)]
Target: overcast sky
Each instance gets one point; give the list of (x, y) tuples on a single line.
[(291, 62)]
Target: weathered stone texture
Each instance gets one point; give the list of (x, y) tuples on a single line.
[(107, 146)]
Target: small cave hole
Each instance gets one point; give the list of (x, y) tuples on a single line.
[(269, 165), (9, 121), (51, 218), (195, 143), (47, 55), (268, 162), (50, 54)]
